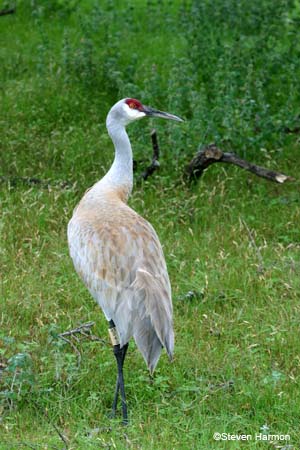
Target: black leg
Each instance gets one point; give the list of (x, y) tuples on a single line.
[(122, 351), (116, 396), (120, 354)]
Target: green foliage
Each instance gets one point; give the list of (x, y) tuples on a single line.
[(232, 70), (18, 377)]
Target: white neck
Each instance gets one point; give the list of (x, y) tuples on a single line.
[(120, 175)]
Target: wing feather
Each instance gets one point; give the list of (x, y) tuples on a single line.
[(120, 259)]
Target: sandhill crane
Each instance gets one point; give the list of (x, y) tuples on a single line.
[(118, 255)]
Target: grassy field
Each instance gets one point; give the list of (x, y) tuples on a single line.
[(232, 241)]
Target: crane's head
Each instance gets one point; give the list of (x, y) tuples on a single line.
[(129, 109)]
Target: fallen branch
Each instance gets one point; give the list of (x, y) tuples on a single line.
[(212, 154), (5, 12), (83, 330), (154, 163)]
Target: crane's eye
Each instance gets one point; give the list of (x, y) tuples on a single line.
[(132, 105)]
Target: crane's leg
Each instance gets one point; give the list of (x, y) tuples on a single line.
[(120, 354)]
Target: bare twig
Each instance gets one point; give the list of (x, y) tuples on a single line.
[(155, 144), (27, 445), (73, 347), (44, 413), (85, 326), (154, 163), (217, 387), (212, 154), (62, 437), (83, 330)]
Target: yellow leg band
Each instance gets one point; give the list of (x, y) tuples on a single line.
[(113, 336)]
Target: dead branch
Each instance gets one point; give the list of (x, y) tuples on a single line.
[(154, 163), (212, 154), (83, 330), (74, 348), (5, 12), (86, 327)]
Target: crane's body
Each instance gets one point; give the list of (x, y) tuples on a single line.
[(118, 255)]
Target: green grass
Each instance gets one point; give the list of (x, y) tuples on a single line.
[(232, 245)]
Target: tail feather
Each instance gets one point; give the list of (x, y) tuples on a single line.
[(157, 307), (148, 343)]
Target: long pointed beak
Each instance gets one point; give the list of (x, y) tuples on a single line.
[(156, 113)]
